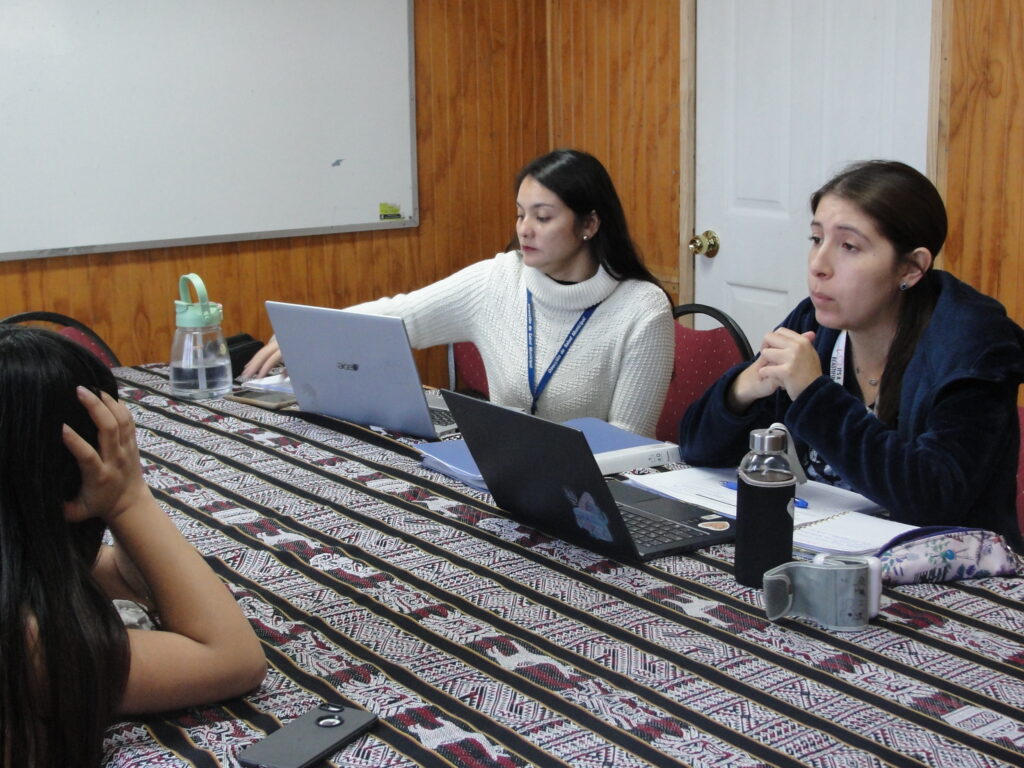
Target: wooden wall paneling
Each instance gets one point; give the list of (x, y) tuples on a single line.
[(143, 316), (218, 266), (81, 282), (62, 272), (985, 160), (330, 269), (433, 130), (248, 314), (384, 268), (657, 161), (615, 92), (402, 272), (23, 288), (456, 234), (513, 123), (126, 297), (378, 269), (511, 112), (467, 126), (274, 269), (482, 58)]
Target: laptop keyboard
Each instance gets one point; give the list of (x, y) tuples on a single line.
[(650, 530), (441, 417)]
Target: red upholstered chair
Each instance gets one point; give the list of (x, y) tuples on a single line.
[(466, 369), (701, 356), (67, 326)]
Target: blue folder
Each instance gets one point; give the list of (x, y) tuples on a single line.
[(452, 457)]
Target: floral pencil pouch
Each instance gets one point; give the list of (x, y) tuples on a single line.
[(943, 553)]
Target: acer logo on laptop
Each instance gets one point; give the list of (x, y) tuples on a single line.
[(348, 366)]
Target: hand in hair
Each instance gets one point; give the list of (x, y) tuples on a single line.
[(111, 481), (111, 478), (206, 649)]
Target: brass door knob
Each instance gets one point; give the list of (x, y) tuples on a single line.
[(705, 244)]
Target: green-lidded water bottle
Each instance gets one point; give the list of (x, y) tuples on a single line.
[(200, 364)]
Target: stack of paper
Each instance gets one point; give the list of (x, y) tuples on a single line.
[(834, 520), (278, 382)]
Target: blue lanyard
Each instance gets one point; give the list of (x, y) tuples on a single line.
[(537, 389)]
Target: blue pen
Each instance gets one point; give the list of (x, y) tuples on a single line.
[(797, 502)]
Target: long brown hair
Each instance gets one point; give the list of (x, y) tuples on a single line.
[(64, 650), (908, 211)]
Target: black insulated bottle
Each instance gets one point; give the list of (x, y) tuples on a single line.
[(765, 491)]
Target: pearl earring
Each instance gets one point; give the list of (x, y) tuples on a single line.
[(904, 286), (586, 237)]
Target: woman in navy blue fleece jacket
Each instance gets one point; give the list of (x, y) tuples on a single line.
[(895, 379)]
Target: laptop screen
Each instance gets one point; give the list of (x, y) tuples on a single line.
[(352, 366)]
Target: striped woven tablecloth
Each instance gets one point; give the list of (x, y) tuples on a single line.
[(479, 642)]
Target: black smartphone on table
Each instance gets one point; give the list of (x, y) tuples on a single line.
[(309, 738), (265, 398)]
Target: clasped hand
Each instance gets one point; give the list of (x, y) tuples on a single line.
[(787, 361), (112, 479)]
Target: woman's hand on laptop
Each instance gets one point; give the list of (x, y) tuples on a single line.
[(263, 361)]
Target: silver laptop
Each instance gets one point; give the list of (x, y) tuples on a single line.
[(358, 368)]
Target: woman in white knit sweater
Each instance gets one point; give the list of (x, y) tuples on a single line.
[(570, 323)]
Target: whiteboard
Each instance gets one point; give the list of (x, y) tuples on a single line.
[(127, 124)]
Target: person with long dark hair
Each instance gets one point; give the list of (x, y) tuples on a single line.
[(69, 470), (571, 289), (895, 379)]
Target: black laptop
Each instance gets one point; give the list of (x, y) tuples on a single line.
[(545, 475)]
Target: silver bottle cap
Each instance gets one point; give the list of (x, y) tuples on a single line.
[(767, 441)]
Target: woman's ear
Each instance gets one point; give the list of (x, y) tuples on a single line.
[(591, 223), (914, 266)]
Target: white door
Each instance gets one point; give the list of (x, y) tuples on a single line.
[(789, 92)]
